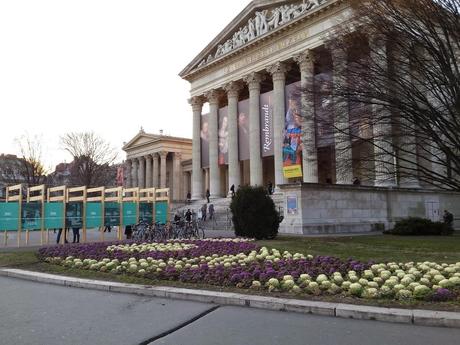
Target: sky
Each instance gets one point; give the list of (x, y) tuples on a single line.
[(107, 66)]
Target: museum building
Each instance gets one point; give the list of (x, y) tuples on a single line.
[(261, 126)]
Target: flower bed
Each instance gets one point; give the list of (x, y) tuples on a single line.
[(240, 263)]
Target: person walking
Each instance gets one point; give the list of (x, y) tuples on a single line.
[(211, 211), (76, 235), (232, 189), (58, 238), (128, 232), (270, 188), (188, 216), (189, 198), (207, 195), (203, 212), (448, 219)]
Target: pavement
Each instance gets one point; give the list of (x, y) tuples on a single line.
[(36, 313)]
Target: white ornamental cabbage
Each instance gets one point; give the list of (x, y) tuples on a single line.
[(355, 289)]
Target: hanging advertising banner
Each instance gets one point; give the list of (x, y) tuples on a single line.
[(31, 218), (129, 213), (223, 136), (54, 215), (9, 216), (111, 214), (93, 214), (266, 124), (204, 134), (146, 212), (292, 141), (74, 215), (120, 176), (243, 129), (324, 117)]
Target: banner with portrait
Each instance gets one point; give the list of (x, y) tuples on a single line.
[(74, 215), (266, 124), (292, 140), (31, 216), (243, 130), (204, 134), (223, 136)]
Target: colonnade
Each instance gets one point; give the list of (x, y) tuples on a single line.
[(385, 169)]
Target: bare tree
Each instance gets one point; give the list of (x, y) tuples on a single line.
[(32, 169), (395, 92), (92, 158)]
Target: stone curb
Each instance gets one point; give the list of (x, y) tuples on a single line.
[(416, 317)]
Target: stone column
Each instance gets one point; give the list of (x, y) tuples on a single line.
[(129, 177), (309, 151), (163, 156), (155, 171), (255, 157), (214, 172), (148, 171), (278, 72), (197, 172), (176, 192), (343, 148), (134, 173), (141, 173), (234, 177), (382, 128)]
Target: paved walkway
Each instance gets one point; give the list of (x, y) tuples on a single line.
[(35, 313)]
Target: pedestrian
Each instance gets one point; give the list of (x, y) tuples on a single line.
[(203, 212), (448, 219), (270, 188), (232, 189), (107, 228), (189, 197), (211, 211), (58, 238), (188, 216), (356, 182), (128, 231), (76, 235), (208, 195)]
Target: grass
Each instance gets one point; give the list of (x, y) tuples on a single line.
[(377, 248)]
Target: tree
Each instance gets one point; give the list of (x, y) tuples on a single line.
[(32, 169), (92, 159), (395, 92)]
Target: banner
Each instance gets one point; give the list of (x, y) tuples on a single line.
[(74, 215), (146, 212), (93, 215), (266, 124), (31, 216), (204, 134), (120, 176), (9, 216), (292, 141), (54, 215), (243, 129), (223, 136), (161, 212), (129, 213), (111, 214)]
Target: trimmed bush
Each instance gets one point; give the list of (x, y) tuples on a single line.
[(254, 214), (415, 226)]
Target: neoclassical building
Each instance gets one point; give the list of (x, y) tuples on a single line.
[(260, 129), (160, 161)]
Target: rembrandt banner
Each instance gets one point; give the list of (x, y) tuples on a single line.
[(204, 134), (223, 136), (266, 124), (292, 141), (243, 129)]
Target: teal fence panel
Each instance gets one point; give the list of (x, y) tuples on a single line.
[(74, 215), (129, 213), (146, 212), (94, 215), (9, 216), (161, 212), (54, 215), (31, 216), (111, 214)]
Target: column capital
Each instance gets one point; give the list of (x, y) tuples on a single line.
[(141, 159), (233, 89), (278, 70), (163, 154), (253, 80), (178, 155), (148, 157), (305, 60), (196, 102), (213, 96)]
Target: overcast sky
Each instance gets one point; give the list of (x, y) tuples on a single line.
[(105, 65)]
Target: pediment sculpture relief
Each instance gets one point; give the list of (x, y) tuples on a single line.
[(263, 22)]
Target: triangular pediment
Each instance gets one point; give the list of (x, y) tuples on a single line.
[(259, 19), (140, 139)]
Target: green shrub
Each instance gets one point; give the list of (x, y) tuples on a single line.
[(254, 214), (415, 226)]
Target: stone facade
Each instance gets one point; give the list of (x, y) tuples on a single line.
[(159, 161)]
